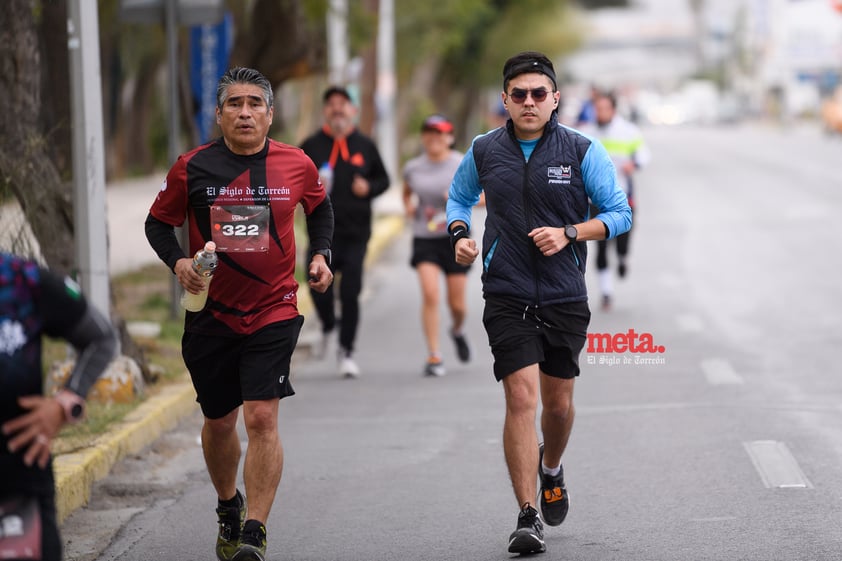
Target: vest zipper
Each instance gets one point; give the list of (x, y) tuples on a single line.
[(527, 211)]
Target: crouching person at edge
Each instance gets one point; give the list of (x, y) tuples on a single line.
[(35, 302)]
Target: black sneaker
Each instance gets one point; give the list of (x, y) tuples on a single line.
[(552, 494), (463, 351), (230, 527), (529, 535), (252, 542)]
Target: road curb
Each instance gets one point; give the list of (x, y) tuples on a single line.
[(76, 472), (386, 228)]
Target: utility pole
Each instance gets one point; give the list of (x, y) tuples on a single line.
[(337, 41), (89, 216), (387, 85), (173, 145)]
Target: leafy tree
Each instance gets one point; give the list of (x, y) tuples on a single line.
[(451, 55), (597, 4)]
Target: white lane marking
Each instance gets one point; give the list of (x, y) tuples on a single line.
[(714, 519), (690, 323), (719, 372), (776, 465)]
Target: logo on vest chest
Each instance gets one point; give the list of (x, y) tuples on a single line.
[(560, 175)]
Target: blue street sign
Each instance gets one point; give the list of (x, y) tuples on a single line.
[(210, 46)]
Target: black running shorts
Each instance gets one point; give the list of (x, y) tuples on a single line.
[(551, 336), (228, 370), (439, 252)]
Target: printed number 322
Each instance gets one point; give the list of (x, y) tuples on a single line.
[(240, 229)]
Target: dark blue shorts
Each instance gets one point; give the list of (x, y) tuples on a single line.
[(551, 336), (228, 370)]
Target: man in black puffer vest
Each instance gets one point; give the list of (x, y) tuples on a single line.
[(537, 176)]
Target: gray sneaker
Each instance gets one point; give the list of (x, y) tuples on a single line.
[(434, 369)]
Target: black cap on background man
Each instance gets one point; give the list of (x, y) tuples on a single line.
[(332, 90)]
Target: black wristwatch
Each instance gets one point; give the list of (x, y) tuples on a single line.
[(324, 252), (72, 404), (571, 233)]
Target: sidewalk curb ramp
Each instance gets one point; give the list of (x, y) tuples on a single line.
[(76, 472)]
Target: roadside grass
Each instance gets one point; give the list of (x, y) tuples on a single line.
[(139, 296)]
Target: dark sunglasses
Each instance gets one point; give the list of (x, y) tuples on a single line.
[(538, 94)]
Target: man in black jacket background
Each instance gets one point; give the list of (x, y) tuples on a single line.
[(353, 173)]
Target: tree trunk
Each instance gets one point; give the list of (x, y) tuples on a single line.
[(25, 164), (55, 111), (25, 156), (291, 47)]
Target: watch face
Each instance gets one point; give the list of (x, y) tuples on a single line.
[(571, 232), (77, 411)]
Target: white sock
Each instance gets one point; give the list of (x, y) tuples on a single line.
[(551, 472)]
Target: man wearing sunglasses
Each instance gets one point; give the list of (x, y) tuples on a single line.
[(537, 176)]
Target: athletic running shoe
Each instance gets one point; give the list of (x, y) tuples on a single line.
[(434, 369), (528, 537), (230, 527), (463, 351), (552, 494), (324, 344), (252, 543), (348, 368), (606, 303)]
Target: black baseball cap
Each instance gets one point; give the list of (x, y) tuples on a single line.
[(438, 123), (336, 90)]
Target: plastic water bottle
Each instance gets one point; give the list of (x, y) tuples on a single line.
[(326, 176), (204, 263)]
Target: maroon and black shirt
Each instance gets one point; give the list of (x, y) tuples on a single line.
[(246, 204)]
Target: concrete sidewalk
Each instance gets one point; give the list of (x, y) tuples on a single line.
[(128, 204)]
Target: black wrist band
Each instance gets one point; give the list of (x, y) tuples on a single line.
[(457, 234)]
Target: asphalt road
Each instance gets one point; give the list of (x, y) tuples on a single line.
[(727, 445)]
